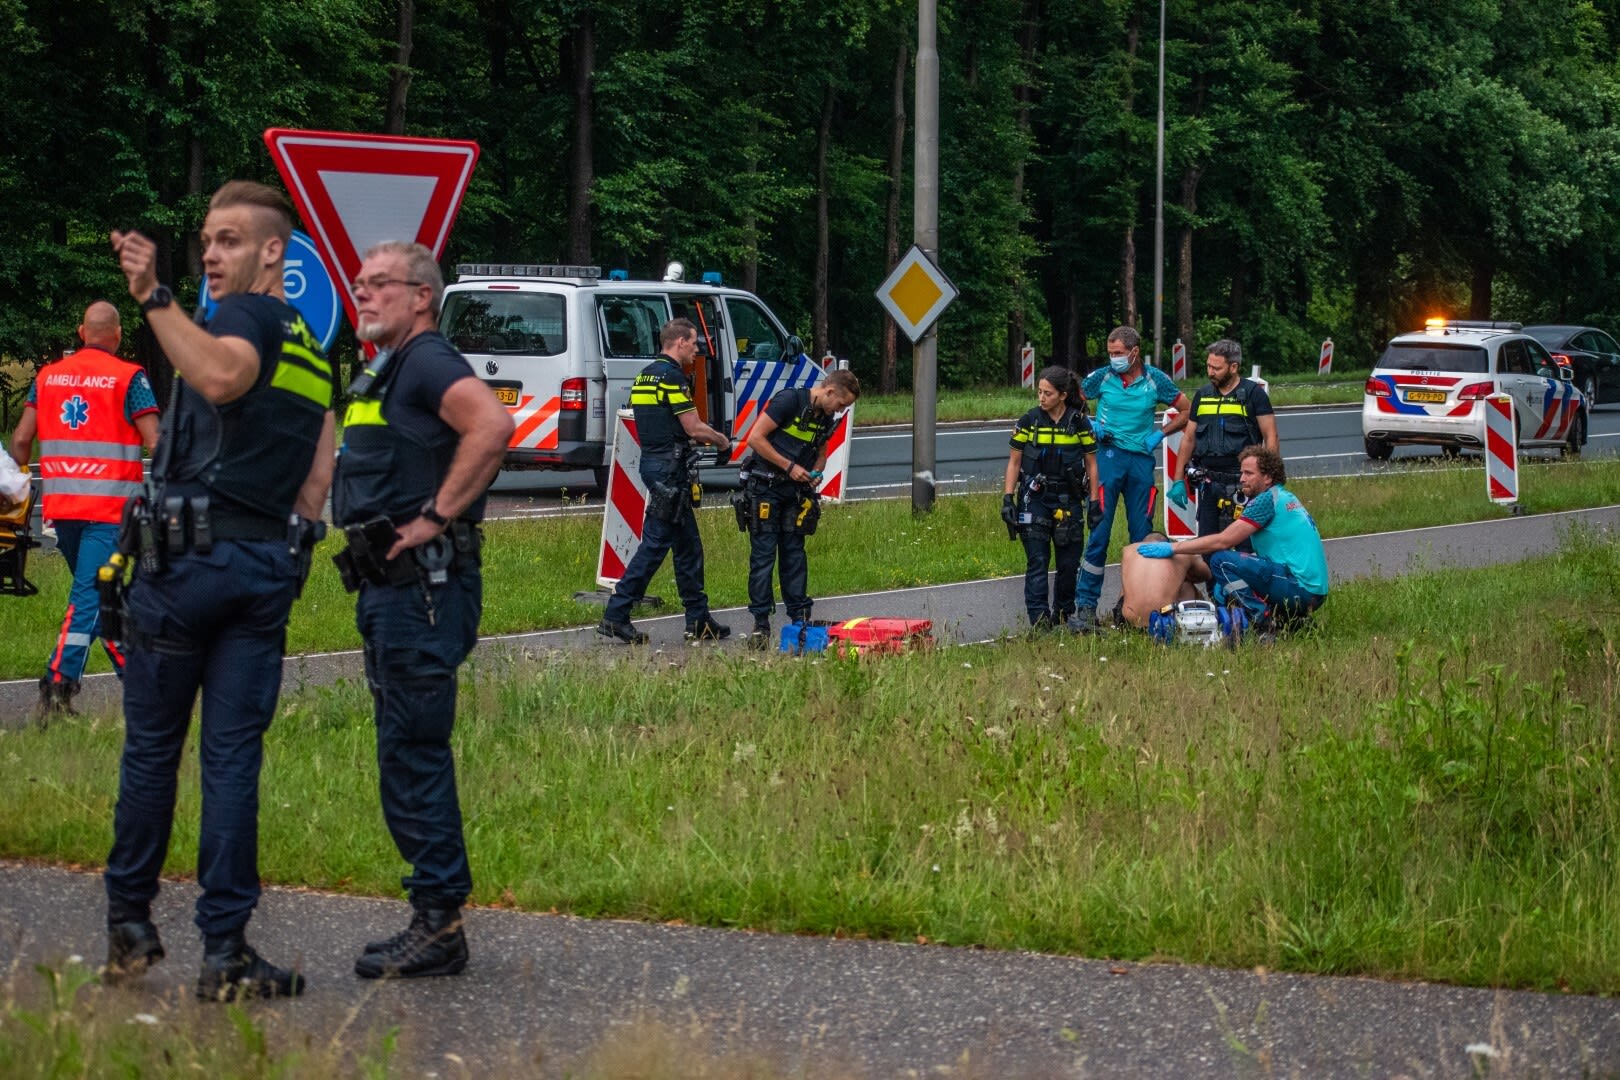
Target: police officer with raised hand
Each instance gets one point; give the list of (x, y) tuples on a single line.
[(242, 468), (1229, 413), (1127, 394), (667, 424), (1051, 479), (92, 413), (789, 448), (422, 439)]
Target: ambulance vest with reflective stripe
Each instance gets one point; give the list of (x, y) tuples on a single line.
[(386, 470), (253, 454), (90, 452), (1224, 425), (800, 440)]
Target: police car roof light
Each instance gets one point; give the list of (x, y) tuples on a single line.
[(534, 270), (675, 272), (1441, 326), (711, 277), (618, 275)]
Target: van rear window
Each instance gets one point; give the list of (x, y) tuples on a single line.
[(1467, 359), (506, 323)]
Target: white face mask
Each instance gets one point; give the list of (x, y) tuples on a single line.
[(1120, 364)]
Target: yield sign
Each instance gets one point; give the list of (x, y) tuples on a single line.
[(354, 191)]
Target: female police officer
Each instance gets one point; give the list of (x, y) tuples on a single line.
[(1051, 478)]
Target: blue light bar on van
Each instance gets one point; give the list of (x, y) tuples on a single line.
[(711, 277), (534, 270), (618, 275)]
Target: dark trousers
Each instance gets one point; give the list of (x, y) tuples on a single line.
[(766, 550), (657, 538), (1037, 557), (1260, 585), (217, 623), (411, 663)]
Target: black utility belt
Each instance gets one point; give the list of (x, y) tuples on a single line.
[(156, 529), (365, 560), (1216, 470)]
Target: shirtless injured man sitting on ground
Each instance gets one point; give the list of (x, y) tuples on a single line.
[(1149, 585)]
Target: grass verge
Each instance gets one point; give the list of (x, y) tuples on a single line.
[(533, 567), (1407, 791)]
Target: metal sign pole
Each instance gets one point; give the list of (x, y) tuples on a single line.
[(924, 353)]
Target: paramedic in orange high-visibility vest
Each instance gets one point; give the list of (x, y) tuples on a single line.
[(92, 413)]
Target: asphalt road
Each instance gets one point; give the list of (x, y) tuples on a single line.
[(1316, 441)]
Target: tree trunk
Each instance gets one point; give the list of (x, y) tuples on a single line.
[(399, 80), (888, 358), (1127, 276), (1184, 270), (1127, 250), (823, 300), (581, 162), (1028, 38)]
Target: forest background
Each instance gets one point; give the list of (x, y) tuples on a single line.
[(1332, 168)]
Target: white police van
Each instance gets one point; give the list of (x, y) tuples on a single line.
[(560, 346), (1429, 388)]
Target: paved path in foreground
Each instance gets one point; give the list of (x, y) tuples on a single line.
[(550, 988)]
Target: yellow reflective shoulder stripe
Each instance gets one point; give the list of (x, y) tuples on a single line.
[(363, 411)]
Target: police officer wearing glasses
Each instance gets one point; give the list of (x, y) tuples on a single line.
[(788, 445), (422, 439), (242, 467), (1229, 413)]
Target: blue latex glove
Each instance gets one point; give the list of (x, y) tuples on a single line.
[(1098, 431), (1156, 550), (1178, 493), (1155, 437)]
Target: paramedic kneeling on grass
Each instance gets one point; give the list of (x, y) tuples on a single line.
[(1287, 577)]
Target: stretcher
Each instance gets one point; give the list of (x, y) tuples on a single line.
[(15, 540), (857, 637)]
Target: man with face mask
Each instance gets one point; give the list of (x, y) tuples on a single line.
[(1128, 395), (1228, 414)]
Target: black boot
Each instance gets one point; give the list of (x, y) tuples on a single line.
[(707, 629), (760, 636), (132, 947), (434, 944), (232, 970)]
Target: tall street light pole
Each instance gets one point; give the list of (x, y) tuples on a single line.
[(1158, 204), (925, 234)]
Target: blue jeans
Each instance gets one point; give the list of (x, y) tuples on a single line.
[(1260, 585), (657, 538), (215, 623), (411, 663), (766, 549), (86, 545), (1124, 476)]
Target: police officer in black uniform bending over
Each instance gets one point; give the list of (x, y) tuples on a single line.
[(667, 424), (1227, 414), (242, 467), (789, 447), (422, 439), (1051, 480)]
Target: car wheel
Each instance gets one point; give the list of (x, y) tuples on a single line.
[(1451, 452), (1589, 388), (1378, 449), (1577, 437), (599, 473)]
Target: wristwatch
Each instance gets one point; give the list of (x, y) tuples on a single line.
[(160, 297), (433, 515)]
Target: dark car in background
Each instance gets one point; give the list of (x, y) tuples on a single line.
[(1592, 354)]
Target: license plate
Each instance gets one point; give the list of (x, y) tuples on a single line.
[(1426, 397), (506, 395)]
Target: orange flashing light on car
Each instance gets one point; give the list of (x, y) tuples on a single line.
[(1434, 325)]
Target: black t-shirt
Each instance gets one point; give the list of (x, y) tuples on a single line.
[(425, 368), (658, 397)]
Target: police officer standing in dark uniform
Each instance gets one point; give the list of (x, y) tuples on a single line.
[(422, 439), (667, 425), (1051, 480), (243, 463), (789, 448), (1227, 414)]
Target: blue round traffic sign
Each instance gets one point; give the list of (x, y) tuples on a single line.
[(308, 286)]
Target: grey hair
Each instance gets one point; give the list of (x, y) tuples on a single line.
[(1226, 349), (419, 264), (1126, 336)]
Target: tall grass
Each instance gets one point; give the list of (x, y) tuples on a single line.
[(1411, 790)]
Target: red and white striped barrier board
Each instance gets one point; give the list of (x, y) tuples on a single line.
[(1324, 363), (1254, 377), (835, 473), (1179, 524), (1178, 361), (1501, 452), (1026, 359), (625, 508)]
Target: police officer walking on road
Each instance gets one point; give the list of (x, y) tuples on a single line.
[(789, 448), (1229, 413), (1051, 479), (667, 424), (1127, 394), (92, 413), (242, 469), (422, 439)]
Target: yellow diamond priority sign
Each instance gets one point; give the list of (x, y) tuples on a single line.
[(916, 293)]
